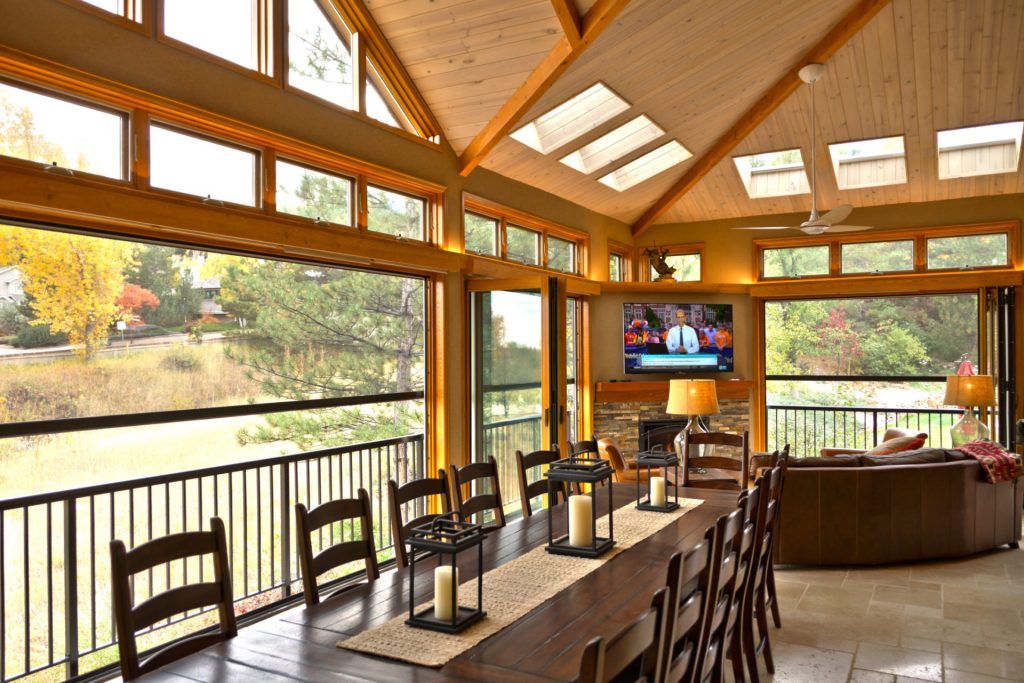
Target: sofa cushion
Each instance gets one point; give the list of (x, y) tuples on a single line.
[(897, 445), (916, 457), (833, 461)]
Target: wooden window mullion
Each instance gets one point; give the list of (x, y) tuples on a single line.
[(138, 149)]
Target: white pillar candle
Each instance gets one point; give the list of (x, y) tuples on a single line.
[(443, 592), (658, 491), (581, 514)]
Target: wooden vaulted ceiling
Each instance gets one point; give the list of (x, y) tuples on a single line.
[(698, 68)]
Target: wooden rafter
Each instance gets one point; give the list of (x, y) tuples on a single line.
[(850, 24), (562, 55), (569, 18)]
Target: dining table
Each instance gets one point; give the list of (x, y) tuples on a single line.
[(546, 644)]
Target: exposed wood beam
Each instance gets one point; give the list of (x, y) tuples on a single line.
[(562, 55), (569, 18), (854, 20)]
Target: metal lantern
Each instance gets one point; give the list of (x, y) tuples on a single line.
[(446, 536), (579, 470), (661, 459)]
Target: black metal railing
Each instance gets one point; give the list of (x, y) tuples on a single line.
[(502, 439), (808, 429), (55, 606)]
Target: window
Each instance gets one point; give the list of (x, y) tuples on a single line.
[(481, 234), (199, 166), (523, 245), (301, 191), (561, 254), (229, 29), (129, 9), (878, 257), (396, 213), (869, 163), (319, 59), (968, 251), (773, 174), (979, 150), (795, 261), (50, 130), (573, 118), (616, 267), (614, 145), (647, 166), (839, 372), (380, 104), (687, 260)]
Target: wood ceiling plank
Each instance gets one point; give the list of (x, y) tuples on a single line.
[(547, 72), (862, 12)]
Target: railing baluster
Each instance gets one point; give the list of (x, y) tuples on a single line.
[(71, 588), (3, 595), (286, 531), (28, 590), (92, 569), (49, 581)]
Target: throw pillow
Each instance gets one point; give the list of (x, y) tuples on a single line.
[(897, 445)]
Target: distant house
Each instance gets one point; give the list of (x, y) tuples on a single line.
[(210, 287), (10, 285)]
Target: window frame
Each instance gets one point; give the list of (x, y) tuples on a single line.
[(137, 15), (428, 223), (127, 170), (625, 253), (497, 233), (271, 172), (920, 237), (506, 216), (688, 248)]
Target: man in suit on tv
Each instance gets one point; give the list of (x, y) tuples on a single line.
[(682, 338)]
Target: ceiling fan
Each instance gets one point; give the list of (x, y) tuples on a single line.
[(828, 222)]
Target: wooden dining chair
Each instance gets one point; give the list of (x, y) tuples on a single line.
[(478, 503), (688, 580), (771, 595), (130, 619), (633, 654), (740, 465), (749, 501), (756, 641), (539, 486), (414, 491), (721, 591), (307, 522)]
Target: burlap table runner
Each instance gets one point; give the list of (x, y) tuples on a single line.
[(510, 592)]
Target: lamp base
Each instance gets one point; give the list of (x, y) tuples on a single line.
[(968, 429), (694, 426)]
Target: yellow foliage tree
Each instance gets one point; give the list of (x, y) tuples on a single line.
[(73, 281)]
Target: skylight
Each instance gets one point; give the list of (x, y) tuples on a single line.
[(614, 145), (647, 166), (773, 174), (571, 119), (869, 163), (980, 150)]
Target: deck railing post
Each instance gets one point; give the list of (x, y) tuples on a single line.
[(70, 587), (286, 535)]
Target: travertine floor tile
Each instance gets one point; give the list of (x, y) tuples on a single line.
[(900, 661), (862, 676), (984, 660), (801, 664), (954, 676)]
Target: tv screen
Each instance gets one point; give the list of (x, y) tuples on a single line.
[(677, 338)]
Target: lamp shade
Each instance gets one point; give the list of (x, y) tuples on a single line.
[(969, 390), (692, 397)]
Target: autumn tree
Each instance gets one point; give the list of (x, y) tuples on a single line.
[(19, 138), (73, 281), (134, 298)]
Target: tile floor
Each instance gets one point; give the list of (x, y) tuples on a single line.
[(959, 621)]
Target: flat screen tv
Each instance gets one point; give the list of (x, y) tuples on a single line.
[(677, 338)]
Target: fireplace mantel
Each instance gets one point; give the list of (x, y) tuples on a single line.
[(645, 392)]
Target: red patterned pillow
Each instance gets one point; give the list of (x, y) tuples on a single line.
[(897, 445)]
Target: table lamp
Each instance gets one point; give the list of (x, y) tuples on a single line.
[(693, 397), (970, 391)]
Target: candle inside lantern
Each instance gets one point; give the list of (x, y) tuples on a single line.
[(581, 513), (443, 578), (658, 491)]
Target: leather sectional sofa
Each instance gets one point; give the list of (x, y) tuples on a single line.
[(919, 505)]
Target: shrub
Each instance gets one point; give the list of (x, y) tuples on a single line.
[(33, 336), (183, 360), (10, 319)]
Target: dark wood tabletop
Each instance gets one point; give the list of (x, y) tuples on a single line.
[(545, 645)]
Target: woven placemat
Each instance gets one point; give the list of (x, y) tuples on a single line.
[(510, 592)]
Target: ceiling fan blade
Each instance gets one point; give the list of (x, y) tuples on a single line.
[(774, 227), (849, 228), (836, 215)]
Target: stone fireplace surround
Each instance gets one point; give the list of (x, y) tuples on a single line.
[(620, 408)]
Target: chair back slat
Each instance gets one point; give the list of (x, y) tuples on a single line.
[(688, 578), (464, 477), (722, 588), (333, 512), (740, 465), (633, 654), (413, 490), (529, 490), (129, 619)]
